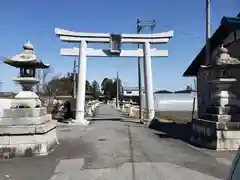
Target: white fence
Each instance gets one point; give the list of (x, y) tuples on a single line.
[(4, 104), (173, 102)]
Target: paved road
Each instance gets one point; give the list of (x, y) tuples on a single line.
[(107, 112), (116, 150)]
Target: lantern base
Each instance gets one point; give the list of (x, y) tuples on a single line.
[(26, 99), (216, 135), (27, 132)]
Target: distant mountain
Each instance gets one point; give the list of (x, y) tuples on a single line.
[(163, 92)]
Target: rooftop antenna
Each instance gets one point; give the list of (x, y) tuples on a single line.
[(195, 84), (1, 86)]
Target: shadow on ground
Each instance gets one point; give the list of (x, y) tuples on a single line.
[(172, 130), (181, 131), (106, 119), (120, 119)]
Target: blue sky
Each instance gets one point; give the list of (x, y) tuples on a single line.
[(35, 21)]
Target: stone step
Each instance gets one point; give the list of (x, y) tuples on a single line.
[(222, 117), (223, 110), (218, 125), (25, 112)]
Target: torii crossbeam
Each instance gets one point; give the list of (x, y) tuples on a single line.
[(115, 50)]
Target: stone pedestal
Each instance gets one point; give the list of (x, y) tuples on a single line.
[(219, 128), (27, 132), (216, 135)]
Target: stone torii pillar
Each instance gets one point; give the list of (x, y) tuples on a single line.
[(149, 99), (82, 73), (115, 41)]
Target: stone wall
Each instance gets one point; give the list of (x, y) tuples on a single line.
[(203, 90)]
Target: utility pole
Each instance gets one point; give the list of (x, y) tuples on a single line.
[(140, 26), (117, 97), (195, 84), (208, 32), (74, 78), (1, 86)]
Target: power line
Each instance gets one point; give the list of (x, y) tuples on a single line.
[(182, 32)]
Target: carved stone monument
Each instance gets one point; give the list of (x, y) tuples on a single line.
[(26, 129), (219, 128)]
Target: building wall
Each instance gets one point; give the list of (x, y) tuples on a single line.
[(166, 102), (130, 93), (234, 49), (203, 90)]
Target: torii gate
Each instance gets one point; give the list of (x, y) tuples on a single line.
[(115, 41)]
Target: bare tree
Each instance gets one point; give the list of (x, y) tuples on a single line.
[(39, 73), (50, 90), (42, 77), (45, 73)]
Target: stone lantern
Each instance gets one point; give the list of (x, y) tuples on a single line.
[(223, 108), (26, 128), (219, 128), (27, 62)]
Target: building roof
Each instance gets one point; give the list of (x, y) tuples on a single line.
[(163, 92), (228, 25)]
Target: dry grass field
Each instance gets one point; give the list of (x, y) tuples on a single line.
[(174, 116)]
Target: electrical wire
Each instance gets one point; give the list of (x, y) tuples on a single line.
[(183, 33)]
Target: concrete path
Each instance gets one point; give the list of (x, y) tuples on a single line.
[(116, 150), (107, 113)]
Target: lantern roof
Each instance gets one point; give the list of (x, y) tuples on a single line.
[(27, 58)]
